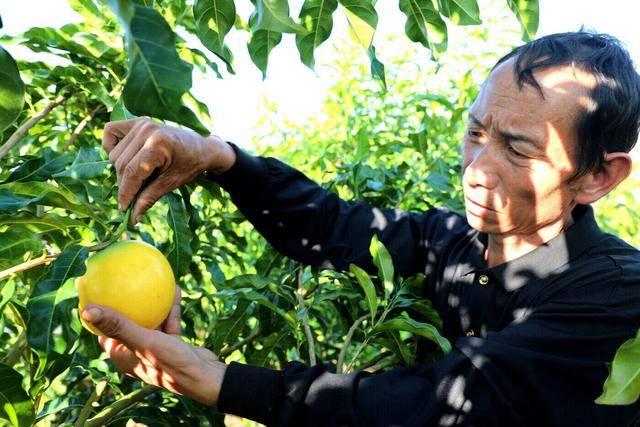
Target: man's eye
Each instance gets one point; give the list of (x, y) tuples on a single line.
[(515, 152), (474, 133)]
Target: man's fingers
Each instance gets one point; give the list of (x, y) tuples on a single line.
[(115, 131), (120, 355), (171, 324), (114, 325), (129, 145), (139, 168), (151, 194)]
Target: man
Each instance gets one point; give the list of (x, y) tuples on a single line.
[(535, 298)]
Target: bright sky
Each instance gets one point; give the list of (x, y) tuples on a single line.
[(234, 101)]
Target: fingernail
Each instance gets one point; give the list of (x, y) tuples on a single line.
[(92, 314)]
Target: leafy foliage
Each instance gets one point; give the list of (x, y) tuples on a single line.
[(242, 299), (622, 386)]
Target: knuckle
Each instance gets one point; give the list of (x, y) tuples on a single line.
[(156, 139), (130, 170), (148, 126), (113, 156), (111, 326), (119, 164)]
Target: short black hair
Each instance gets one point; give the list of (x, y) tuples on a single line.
[(613, 125)]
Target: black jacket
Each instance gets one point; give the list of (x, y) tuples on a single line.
[(531, 337)]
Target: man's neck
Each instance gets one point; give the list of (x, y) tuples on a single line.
[(504, 248)]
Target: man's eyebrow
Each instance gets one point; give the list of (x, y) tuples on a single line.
[(506, 135), (473, 119)]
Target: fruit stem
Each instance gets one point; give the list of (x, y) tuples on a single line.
[(88, 406), (305, 319), (119, 406)]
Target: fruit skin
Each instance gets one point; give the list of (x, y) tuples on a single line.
[(131, 277)]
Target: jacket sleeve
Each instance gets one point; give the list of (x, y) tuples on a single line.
[(314, 226), (546, 368)]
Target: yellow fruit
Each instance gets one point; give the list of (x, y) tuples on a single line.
[(131, 277)]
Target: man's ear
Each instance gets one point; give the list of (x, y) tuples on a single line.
[(615, 169)]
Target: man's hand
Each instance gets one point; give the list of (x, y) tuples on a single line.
[(138, 147), (159, 357)]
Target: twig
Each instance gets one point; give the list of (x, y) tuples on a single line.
[(305, 320), (381, 366), (88, 406), (45, 259), (347, 341), (22, 130), (376, 359), (81, 126), (355, 356), (227, 350), (119, 406)]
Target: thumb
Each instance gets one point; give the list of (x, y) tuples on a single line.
[(114, 325)]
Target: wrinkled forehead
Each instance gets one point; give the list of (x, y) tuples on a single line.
[(566, 88)]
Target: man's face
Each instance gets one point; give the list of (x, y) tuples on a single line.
[(519, 149)]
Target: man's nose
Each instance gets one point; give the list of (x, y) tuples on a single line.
[(482, 169)]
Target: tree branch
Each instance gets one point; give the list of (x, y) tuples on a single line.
[(347, 341), (227, 350), (24, 129), (88, 406), (76, 132), (119, 406), (45, 259), (383, 365), (376, 359), (305, 320)]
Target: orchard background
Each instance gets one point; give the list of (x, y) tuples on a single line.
[(384, 137)]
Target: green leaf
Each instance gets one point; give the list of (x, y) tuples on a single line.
[(461, 12), (15, 243), (16, 195), (87, 164), (180, 254), (622, 386), (424, 25), (6, 293), (401, 347), (44, 223), (270, 343), (157, 78), (527, 12), (382, 260), (377, 67), (120, 112), (273, 15), (317, 18), (369, 289), (405, 323), (40, 168), (214, 19), (11, 90), (228, 329), (363, 20), (259, 298), (15, 404), (260, 46), (49, 329)]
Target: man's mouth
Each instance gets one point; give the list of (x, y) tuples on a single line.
[(477, 208)]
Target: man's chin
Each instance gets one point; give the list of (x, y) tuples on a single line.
[(482, 224)]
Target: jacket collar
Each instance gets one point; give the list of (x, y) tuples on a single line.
[(546, 258)]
